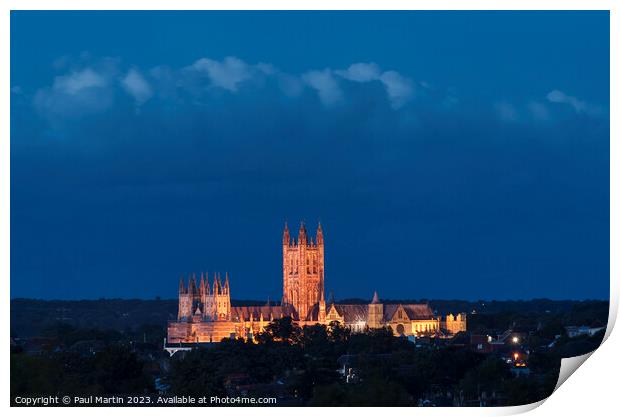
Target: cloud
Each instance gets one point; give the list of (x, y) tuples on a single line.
[(75, 82), (227, 74), (540, 111), (135, 84), (399, 88), (557, 96), (325, 84), (506, 111), (77, 93), (95, 85), (361, 72), (266, 69)]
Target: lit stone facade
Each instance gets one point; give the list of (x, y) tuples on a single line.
[(455, 324), (303, 267), (206, 315)]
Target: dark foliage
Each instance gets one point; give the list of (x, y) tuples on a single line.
[(300, 366), (114, 370)]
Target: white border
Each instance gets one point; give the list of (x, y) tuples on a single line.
[(593, 392)]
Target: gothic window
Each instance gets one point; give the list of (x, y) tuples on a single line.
[(400, 314)]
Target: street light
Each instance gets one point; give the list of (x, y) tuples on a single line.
[(515, 339)]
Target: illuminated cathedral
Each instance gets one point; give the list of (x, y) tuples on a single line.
[(206, 314)]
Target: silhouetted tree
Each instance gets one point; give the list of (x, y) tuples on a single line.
[(280, 330)]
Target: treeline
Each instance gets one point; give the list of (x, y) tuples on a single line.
[(297, 365), (29, 317), (584, 313), (114, 370), (389, 371)]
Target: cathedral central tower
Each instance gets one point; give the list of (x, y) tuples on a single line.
[(303, 267)]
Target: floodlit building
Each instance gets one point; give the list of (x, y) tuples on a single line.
[(206, 314)]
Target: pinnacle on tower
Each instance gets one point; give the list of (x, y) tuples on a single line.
[(226, 285), (181, 285), (192, 285), (375, 299), (202, 283), (286, 237), (302, 234), (215, 286), (319, 235)]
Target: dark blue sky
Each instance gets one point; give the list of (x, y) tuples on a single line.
[(447, 154)]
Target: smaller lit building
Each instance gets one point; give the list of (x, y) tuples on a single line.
[(402, 319)]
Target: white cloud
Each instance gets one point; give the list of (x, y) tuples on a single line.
[(325, 84), (77, 93), (399, 88), (227, 74), (75, 82), (135, 84), (94, 86), (266, 69), (361, 72), (557, 96)]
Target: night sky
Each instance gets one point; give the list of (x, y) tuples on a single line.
[(446, 154)]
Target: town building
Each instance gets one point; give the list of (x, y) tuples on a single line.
[(206, 314)]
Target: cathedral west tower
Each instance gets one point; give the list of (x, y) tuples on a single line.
[(303, 266)]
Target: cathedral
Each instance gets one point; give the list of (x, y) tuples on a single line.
[(206, 315)]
